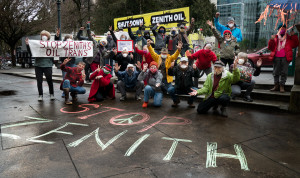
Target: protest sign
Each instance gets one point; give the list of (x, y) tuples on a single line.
[(61, 48), (125, 43)]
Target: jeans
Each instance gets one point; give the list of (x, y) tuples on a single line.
[(280, 69), (77, 90), (157, 96), (236, 88), (137, 88), (110, 62), (173, 93), (39, 71), (205, 105), (165, 86)]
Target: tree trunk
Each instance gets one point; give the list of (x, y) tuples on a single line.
[(13, 57)]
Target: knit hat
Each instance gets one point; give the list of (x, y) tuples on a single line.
[(219, 64), (108, 67), (281, 25), (230, 19), (227, 31), (153, 63), (138, 32), (130, 65)]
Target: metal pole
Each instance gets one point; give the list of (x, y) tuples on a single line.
[(89, 10), (58, 16)]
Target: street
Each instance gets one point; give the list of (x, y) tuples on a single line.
[(121, 139)]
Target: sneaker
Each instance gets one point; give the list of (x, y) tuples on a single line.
[(248, 99), (122, 98), (52, 97), (40, 98), (224, 112), (145, 104), (68, 102), (138, 98)]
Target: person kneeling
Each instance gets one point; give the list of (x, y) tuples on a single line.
[(153, 88), (128, 81), (101, 87), (183, 81), (217, 88), (73, 80)]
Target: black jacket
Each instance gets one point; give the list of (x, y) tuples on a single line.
[(183, 78)]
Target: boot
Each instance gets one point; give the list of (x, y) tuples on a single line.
[(282, 89), (275, 88), (224, 112), (67, 91), (145, 104), (175, 104), (74, 97)]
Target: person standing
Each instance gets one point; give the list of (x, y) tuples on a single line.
[(183, 37), (43, 65), (231, 26), (281, 45), (160, 38)]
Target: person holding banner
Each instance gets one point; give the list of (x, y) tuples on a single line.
[(101, 87), (43, 65), (160, 38), (73, 81), (123, 59), (129, 81), (164, 61), (154, 82)]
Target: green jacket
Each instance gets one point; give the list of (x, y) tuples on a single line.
[(224, 84)]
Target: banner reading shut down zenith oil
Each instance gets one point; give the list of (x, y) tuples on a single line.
[(167, 18)]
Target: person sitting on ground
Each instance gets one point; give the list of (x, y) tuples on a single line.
[(129, 82), (229, 46), (204, 57), (183, 81), (231, 26), (73, 81), (246, 72), (43, 65), (217, 88), (281, 45), (153, 88), (164, 61), (123, 59), (101, 87)]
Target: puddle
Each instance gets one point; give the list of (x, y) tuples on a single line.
[(8, 92)]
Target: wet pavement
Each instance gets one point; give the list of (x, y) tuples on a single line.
[(121, 139)]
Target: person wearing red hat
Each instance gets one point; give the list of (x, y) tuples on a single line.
[(101, 87), (154, 80), (228, 44)]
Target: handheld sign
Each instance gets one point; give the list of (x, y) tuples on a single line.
[(61, 48), (125, 43)]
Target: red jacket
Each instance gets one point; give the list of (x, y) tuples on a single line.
[(72, 75), (104, 81), (291, 42), (204, 58), (147, 56)]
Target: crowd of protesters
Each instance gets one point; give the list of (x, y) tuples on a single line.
[(166, 66)]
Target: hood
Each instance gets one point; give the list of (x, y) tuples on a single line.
[(163, 28)]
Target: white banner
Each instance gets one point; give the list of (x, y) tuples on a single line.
[(61, 48), (124, 43)]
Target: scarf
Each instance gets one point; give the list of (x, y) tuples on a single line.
[(281, 42)]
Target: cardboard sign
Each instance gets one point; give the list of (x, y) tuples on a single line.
[(61, 48), (125, 43)]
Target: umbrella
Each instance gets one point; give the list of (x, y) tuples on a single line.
[(285, 4)]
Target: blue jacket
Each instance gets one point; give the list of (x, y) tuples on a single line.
[(236, 32), (130, 81)]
